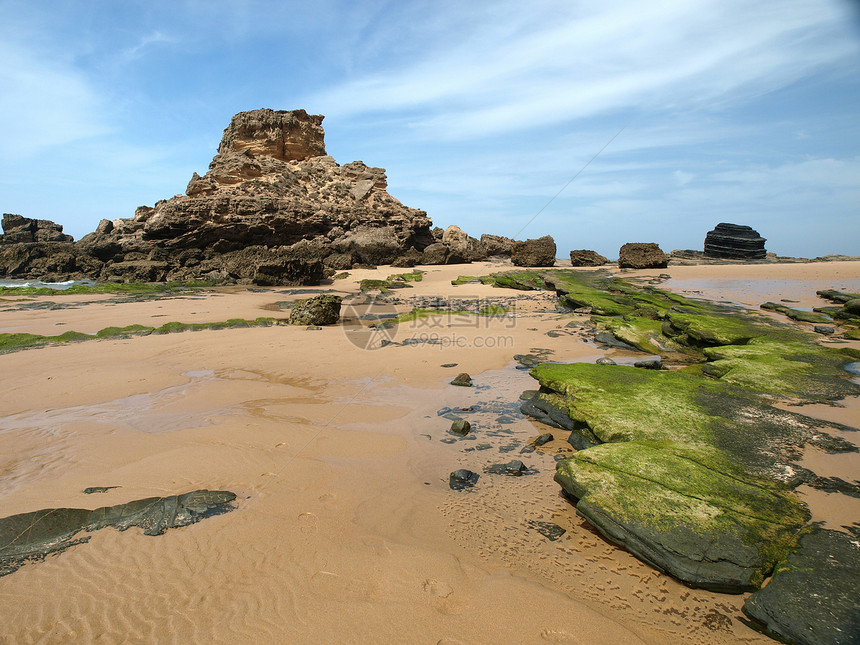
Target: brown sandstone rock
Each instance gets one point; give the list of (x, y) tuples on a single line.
[(496, 245), (586, 258), (436, 253), (534, 253), (642, 255), (19, 229), (270, 185)]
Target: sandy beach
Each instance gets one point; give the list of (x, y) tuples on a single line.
[(345, 529)]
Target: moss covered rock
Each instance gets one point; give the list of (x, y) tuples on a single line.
[(319, 310), (606, 403), (676, 509)]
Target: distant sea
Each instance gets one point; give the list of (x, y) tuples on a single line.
[(59, 286)]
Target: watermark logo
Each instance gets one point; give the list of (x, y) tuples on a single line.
[(369, 321), (373, 322)]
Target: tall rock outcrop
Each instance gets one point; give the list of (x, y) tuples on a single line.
[(272, 197), (734, 242)]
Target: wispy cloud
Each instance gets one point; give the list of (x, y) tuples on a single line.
[(669, 55), (44, 103), (145, 43)]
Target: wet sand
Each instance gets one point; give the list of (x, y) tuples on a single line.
[(346, 529)]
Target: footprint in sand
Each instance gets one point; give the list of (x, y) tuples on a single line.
[(308, 523)]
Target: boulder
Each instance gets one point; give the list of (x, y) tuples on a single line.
[(463, 380), (319, 310), (814, 596), (409, 259), (18, 229), (735, 242), (496, 245), (436, 253), (461, 246), (642, 255), (586, 258), (538, 252), (460, 427)]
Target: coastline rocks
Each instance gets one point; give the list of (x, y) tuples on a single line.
[(642, 255), (319, 310), (17, 229), (734, 242), (436, 253), (538, 252), (461, 247), (586, 258), (814, 597), (286, 136), (271, 185), (29, 537), (496, 245)]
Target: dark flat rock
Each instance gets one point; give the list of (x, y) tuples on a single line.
[(736, 242), (463, 478), (814, 597), (32, 536)]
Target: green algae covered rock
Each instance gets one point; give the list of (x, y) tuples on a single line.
[(614, 403), (796, 314), (31, 536), (814, 597), (685, 512), (783, 365), (319, 310)]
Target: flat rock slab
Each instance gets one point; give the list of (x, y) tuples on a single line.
[(814, 597), (605, 403), (677, 509), (31, 536)]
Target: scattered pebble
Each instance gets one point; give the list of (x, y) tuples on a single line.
[(460, 479), (463, 380), (461, 427), (543, 439)]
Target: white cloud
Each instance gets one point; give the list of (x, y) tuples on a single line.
[(145, 43), (582, 63), (682, 178), (44, 103)]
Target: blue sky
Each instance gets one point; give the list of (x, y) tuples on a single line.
[(738, 111)]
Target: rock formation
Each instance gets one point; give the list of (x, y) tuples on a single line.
[(642, 255), (23, 229), (496, 245), (272, 209), (534, 253), (586, 258), (274, 196), (734, 242)]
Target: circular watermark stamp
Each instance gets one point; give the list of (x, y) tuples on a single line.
[(368, 321)]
